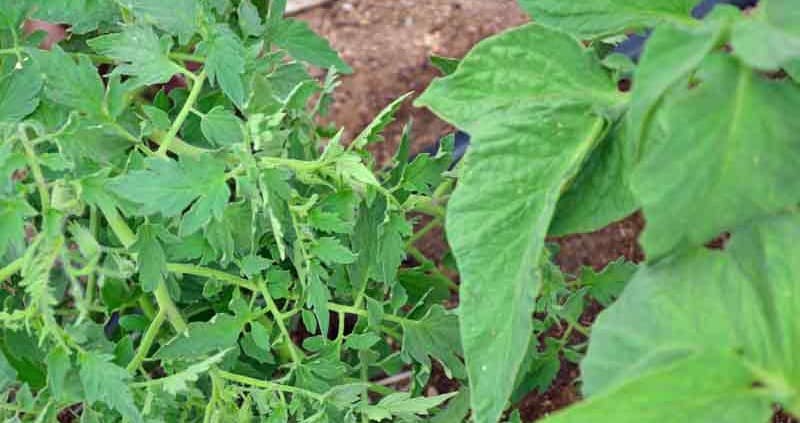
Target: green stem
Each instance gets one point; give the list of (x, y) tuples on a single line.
[(166, 304), (433, 224), (178, 146), (276, 313), (365, 380), (194, 94), (215, 394), (147, 341), (38, 176), (190, 269), (244, 380), (91, 281), (186, 57), (11, 269), (339, 308)]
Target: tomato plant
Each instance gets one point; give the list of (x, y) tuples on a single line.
[(180, 240), (705, 144)]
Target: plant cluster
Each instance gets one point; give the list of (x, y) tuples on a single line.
[(705, 144), (181, 241)]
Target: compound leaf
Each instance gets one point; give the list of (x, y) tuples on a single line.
[(304, 44), (104, 381), (142, 54), (178, 17), (435, 335), (226, 62)]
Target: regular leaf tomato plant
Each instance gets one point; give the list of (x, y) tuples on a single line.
[(181, 241), (706, 144)]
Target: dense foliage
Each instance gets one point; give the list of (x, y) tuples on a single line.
[(181, 241), (706, 144)]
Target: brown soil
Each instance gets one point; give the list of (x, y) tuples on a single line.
[(388, 43)]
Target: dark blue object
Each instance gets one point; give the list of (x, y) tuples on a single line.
[(631, 47)]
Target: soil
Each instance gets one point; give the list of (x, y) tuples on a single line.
[(388, 43)]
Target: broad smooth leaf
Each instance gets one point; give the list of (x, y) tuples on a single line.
[(528, 98), (601, 193), (727, 167), (737, 305), (770, 37), (695, 390), (598, 18), (670, 55)]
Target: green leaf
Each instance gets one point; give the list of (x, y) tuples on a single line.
[(179, 382), (770, 37), (372, 133), (177, 17), (13, 213), (249, 19), (329, 222), (696, 390), (222, 127), (8, 375), (670, 55), (77, 86), (331, 251), (303, 44), (424, 174), (317, 299), (226, 62), (592, 19), (435, 335), (152, 262), (82, 16), (392, 235), (727, 167), (363, 341), (220, 333), (601, 192), (106, 382), (143, 55), (530, 111), (400, 404), (19, 94), (168, 187), (58, 365), (607, 285), (446, 65), (731, 310)]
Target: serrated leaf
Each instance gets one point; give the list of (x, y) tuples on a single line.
[(168, 187), (151, 260), (58, 365), (591, 19), (435, 335), (424, 174), (75, 85), (362, 341), (222, 127), (225, 62), (372, 133), (19, 94), (304, 44), (179, 382), (178, 17), (143, 55), (203, 338), (391, 246), (13, 213), (82, 16), (317, 299), (516, 113), (331, 251), (249, 19), (710, 331), (726, 168), (400, 404), (7, 373), (607, 285), (106, 382), (329, 222)]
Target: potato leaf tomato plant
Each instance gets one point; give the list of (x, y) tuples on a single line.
[(181, 241), (706, 144)]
